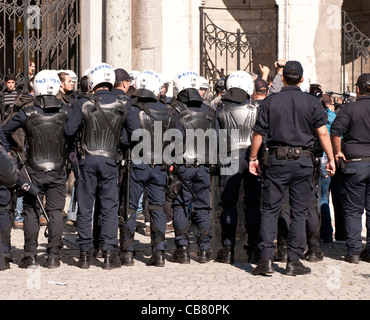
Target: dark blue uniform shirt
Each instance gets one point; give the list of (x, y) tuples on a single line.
[(353, 123), (288, 118)]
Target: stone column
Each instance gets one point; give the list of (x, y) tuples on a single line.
[(310, 31), (117, 37), (91, 33)]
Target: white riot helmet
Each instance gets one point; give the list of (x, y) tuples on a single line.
[(101, 73), (73, 75), (149, 80), (133, 75), (86, 72), (186, 80), (46, 83), (242, 80), (204, 85)]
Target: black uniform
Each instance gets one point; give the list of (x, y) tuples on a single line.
[(46, 160), (150, 176), (193, 114), (353, 123), (288, 120), (8, 177), (239, 115), (100, 119)]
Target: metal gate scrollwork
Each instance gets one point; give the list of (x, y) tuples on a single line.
[(356, 53), (42, 31), (223, 52)]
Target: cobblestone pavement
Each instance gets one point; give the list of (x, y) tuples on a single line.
[(330, 279)]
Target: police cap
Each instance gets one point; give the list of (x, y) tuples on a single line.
[(363, 80), (261, 85), (293, 68), (121, 75)]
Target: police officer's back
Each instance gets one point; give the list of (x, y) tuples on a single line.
[(288, 120), (238, 113), (100, 118), (46, 160), (193, 115), (149, 166), (352, 154)]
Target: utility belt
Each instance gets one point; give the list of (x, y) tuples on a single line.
[(341, 164), (290, 153), (360, 159)]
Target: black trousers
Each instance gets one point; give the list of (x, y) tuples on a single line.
[(53, 192), (280, 175)]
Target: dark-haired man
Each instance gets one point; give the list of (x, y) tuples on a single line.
[(288, 120), (8, 96), (352, 122)]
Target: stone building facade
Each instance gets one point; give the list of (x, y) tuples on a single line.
[(166, 35), (213, 37)]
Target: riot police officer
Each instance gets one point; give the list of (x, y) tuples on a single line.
[(352, 122), (46, 159), (9, 176), (100, 118), (195, 171), (288, 120), (238, 113), (148, 169)]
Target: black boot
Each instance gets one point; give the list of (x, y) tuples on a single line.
[(29, 262), (352, 259), (181, 255), (281, 253), (314, 255), (225, 255), (52, 262), (204, 256), (295, 268), (157, 259), (264, 267), (364, 256), (127, 258), (84, 262), (111, 260), (5, 265), (98, 252)]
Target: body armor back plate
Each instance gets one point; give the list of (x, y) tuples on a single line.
[(239, 117), (46, 146), (197, 120), (102, 127), (147, 119)]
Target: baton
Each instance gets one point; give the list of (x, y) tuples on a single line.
[(37, 196)]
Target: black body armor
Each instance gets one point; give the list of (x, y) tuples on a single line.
[(196, 120), (148, 118), (102, 127), (46, 145), (239, 117)]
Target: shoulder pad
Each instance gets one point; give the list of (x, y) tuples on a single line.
[(179, 106), (29, 111), (252, 105), (123, 98), (64, 108)]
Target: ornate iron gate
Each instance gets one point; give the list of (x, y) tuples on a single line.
[(42, 31), (222, 52), (355, 54)]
